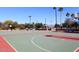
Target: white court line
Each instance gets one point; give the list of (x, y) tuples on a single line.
[(76, 49), (9, 44), (39, 46)]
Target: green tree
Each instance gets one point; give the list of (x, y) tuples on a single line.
[(21, 26), (15, 25), (38, 26), (29, 26), (7, 22), (65, 25)]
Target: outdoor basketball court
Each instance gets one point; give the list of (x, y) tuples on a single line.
[(38, 41)]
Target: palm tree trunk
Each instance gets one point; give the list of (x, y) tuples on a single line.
[(56, 18), (60, 20)]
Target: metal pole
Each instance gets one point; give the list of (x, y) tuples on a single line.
[(30, 19), (45, 24), (45, 21)]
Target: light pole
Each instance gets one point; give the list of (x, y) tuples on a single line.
[(30, 19), (45, 24), (45, 21)]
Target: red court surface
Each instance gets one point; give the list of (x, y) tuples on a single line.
[(5, 46), (77, 50), (63, 37)]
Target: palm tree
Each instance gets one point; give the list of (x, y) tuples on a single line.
[(72, 16), (78, 20), (55, 9), (76, 23), (60, 10), (71, 21), (67, 20), (67, 14), (78, 16)]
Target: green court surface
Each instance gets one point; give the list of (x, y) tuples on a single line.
[(36, 41)]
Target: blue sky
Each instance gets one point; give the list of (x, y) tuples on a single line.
[(20, 14)]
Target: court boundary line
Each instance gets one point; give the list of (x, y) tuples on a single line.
[(32, 41), (76, 49), (9, 43)]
